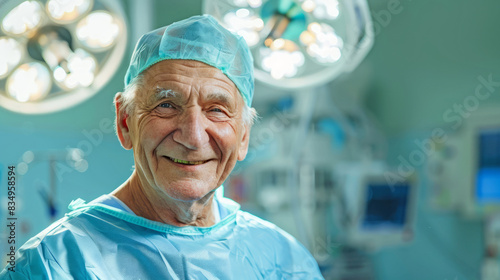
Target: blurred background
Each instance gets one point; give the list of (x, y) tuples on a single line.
[(378, 145)]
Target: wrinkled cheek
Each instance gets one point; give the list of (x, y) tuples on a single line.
[(141, 150), (228, 139), (229, 144), (140, 158), (228, 164)]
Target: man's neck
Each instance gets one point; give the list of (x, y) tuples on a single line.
[(145, 202)]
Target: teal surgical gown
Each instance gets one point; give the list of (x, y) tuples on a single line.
[(104, 240)]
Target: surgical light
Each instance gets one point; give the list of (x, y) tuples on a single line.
[(254, 3), (322, 9), (67, 50), (80, 71), (65, 11), (98, 30), (25, 17), (29, 82), (329, 37), (281, 59), (11, 55), (322, 42), (70, 69), (247, 25), (308, 6)]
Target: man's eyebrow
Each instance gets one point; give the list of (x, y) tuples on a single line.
[(161, 93), (220, 97)]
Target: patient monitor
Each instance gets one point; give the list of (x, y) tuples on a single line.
[(378, 213)]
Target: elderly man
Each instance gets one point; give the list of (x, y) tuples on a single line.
[(186, 114)]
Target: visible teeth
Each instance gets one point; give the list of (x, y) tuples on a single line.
[(186, 162)]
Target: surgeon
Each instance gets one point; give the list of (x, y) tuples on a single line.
[(186, 114)]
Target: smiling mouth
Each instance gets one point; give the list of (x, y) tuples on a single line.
[(186, 162)]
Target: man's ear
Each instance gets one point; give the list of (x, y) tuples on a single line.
[(122, 127), (242, 152)]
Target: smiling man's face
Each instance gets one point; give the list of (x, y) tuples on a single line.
[(186, 129)]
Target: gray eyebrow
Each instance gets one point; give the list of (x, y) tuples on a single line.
[(221, 97), (162, 93)]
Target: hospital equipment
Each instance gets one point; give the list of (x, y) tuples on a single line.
[(465, 172), (473, 151), (56, 54), (377, 213), (58, 161), (299, 43)]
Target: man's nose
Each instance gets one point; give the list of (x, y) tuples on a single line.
[(191, 130)]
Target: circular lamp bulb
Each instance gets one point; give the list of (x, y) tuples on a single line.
[(12, 53), (25, 17), (245, 24), (282, 59), (98, 31), (82, 68), (29, 82), (322, 42), (254, 3), (65, 11), (322, 9)]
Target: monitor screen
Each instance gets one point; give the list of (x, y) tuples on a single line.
[(488, 172), (386, 207)]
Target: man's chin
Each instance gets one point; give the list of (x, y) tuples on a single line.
[(188, 192)]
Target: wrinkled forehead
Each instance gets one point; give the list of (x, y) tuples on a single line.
[(189, 68), (185, 75)]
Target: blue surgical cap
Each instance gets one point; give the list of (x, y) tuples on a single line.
[(199, 38)]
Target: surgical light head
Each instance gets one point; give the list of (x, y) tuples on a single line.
[(199, 38)]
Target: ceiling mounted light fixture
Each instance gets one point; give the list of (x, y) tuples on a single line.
[(58, 53), (303, 42)]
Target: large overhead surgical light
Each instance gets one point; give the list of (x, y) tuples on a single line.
[(57, 53), (299, 43)]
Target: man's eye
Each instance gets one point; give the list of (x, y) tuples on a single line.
[(166, 105), (216, 110)]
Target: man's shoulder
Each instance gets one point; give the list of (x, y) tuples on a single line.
[(276, 245), (57, 247), (260, 228), (255, 222), (70, 224)]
